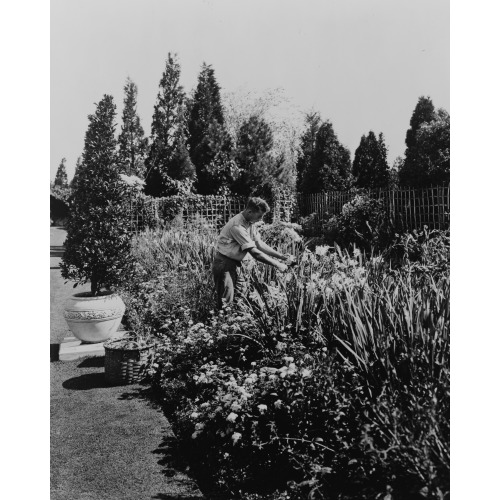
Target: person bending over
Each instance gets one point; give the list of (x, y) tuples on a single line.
[(238, 238)]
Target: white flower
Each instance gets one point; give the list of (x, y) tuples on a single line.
[(195, 415), (278, 403), (306, 373), (236, 437), (288, 359), (321, 250), (235, 406), (262, 408), (199, 426), (232, 417)]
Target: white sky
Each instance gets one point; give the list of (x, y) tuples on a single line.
[(360, 63)]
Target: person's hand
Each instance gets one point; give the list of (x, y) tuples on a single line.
[(282, 267)]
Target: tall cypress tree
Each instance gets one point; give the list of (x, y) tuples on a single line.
[(61, 179), (307, 145), (411, 172), (131, 141), (370, 168), (330, 168), (168, 162), (210, 143)]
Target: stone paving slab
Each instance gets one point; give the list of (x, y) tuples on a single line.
[(71, 348)]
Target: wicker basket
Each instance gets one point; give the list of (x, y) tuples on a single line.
[(123, 365)]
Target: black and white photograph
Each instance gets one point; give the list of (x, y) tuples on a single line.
[(249, 222), (250, 212)]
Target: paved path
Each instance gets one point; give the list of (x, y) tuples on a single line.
[(88, 419)]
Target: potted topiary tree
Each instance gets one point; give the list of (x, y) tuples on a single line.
[(97, 248)]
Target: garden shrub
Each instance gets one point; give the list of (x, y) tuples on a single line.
[(328, 381), (363, 222)]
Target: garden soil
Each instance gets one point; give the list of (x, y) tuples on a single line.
[(107, 443)]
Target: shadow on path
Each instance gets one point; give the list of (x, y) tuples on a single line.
[(95, 362), (86, 382)]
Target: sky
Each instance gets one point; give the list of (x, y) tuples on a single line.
[(362, 64)]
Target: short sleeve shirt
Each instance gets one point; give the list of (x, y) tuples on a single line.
[(237, 236)]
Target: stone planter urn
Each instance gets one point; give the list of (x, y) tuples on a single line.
[(94, 319)]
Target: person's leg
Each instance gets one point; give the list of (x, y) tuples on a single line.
[(225, 278)]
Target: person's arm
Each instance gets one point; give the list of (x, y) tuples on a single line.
[(266, 259), (263, 247)]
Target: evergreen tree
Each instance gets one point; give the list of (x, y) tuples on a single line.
[(61, 179), (131, 141), (168, 163), (330, 168), (433, 149), (98, 239), (411, 173), (210, 143), (307, 146), (257, 167), (370, 168), (78, 165)]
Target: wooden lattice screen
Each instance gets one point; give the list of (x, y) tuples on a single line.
[(407, 208)]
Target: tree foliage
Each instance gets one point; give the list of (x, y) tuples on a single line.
[(61, 179), (370, 169), (330, 168), (169, 164), (307, 146), (283, 119), (427, 156), (132, 144), (210, 143), (257, 167), (98, 240)]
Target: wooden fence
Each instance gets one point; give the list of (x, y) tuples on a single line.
[(407, 208)]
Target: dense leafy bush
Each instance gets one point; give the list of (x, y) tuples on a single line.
[(329, 381), (363, 222), (97, 248)]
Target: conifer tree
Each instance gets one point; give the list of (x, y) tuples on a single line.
[(330, 168), (370, 168), (210, 143), (257, 167), (307, 145), (61, 179), (433, 149), (78, 165), (411, 172), (98, 233), (168, 163), (132, 144)]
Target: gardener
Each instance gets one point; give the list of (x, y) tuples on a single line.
[(238, 238)]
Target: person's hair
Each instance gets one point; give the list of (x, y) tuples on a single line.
[(255, 204)]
